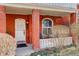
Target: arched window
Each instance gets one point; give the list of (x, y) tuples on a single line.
[(47, 25)]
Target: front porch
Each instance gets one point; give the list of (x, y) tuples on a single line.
[(32, 30)]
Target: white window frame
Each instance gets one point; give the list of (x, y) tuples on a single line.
[(46, 27)]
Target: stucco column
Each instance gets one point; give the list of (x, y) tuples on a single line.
[(2, 19), (35, 29)]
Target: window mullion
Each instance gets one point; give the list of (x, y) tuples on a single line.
[(47, 30)]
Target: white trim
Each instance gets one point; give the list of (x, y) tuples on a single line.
[(35, 7), (21, 41), (55, 42), (46, 27), (48, 19)]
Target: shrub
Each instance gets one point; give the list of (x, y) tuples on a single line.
[(47, 52), (7, 44), (75, 29), (68, 51), (73, 51), (60, 31)]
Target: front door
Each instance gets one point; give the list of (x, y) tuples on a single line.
[(20, 31)]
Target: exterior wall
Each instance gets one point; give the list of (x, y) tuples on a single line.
[(73, 18), (10, 23)]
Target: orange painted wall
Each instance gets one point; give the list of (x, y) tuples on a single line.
[(10, 22), (56, 19)]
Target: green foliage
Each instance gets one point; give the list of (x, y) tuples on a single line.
[(67, 51), (7, 45), (73, 51), (47, 52), (75, 28), (41, 53)]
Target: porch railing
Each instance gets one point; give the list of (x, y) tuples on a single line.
[(55, 42), (61, 37)]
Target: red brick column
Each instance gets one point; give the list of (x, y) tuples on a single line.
[(73, 18), (35, 29), (2, 19)]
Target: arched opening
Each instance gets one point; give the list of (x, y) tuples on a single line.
[(47, 25), (20, 31)]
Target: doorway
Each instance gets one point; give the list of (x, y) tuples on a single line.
[(20, 32)]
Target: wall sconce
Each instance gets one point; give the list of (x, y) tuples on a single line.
[(27, 22)]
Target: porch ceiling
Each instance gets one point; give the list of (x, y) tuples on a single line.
[(16, 10), (53, 13), (25, 11)]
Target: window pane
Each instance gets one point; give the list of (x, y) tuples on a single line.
[(47, 23), (47, 28), (50, 24), (45, 31), (50, 32)]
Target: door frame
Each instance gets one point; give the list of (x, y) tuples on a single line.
[(20, 42)]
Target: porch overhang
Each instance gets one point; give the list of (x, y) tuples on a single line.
[(31, 6), (26, 9)]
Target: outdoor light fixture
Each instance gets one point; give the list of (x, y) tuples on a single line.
[(27, 22)]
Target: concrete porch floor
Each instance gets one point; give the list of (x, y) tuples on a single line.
[(24, 51)]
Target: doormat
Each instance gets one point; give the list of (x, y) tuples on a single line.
[(21, 45)]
